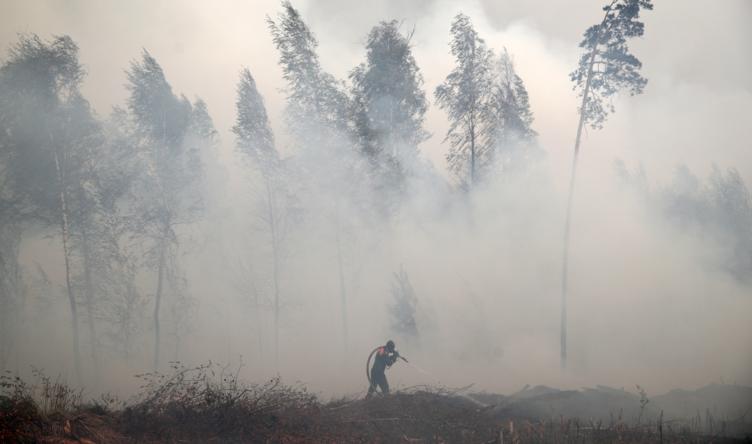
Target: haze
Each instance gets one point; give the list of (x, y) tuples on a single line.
[(652, 297)]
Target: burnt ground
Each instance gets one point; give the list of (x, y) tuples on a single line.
[(197, 405)]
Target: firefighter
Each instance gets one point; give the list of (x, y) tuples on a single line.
[(386, 355)]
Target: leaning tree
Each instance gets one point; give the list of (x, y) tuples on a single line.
[(255, 142), (165, 194), (317, 117), (606, 67), (51, 136)]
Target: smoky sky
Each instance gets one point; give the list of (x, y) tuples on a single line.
[(695, 54), (695, 110)]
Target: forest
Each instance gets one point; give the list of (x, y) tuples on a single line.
[(148, 240)]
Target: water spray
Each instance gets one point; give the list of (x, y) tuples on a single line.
[(425, 372), (420, 370)]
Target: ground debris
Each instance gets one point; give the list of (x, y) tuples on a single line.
[(197, 405)]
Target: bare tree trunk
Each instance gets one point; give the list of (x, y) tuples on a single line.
[(66, 253), (131, 292), (472, 150), (158, 296), (5, 307), (89, 295), (567, 223), (6, 333), (177, 346), (6, 329), (162, 247), (275, 267), (260, 330), (258, 318), (342, 293), (472, 127), (10, 298)]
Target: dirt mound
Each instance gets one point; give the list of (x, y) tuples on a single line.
[(419, 416)]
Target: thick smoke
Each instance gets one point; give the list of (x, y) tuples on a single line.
[(652, 299)]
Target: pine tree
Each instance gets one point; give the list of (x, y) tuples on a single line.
[(606, 67)]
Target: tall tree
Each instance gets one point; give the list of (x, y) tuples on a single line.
[(12, 212), (255, 140), (316, 103), (254, 135), (606, 67), (389, 101), (40, 90), (718, 209), (464, 95), (10, 287), (115, 262), (90, 202), (166, 191), (507, 124), (732, 205), (402, 311), (317, 116)]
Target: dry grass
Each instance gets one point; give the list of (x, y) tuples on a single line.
[(209, 404)]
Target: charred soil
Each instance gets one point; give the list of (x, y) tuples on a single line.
[(205, 405)]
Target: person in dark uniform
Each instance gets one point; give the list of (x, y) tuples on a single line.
[(386, 355)]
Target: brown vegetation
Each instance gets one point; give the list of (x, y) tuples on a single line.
[(209, 404)]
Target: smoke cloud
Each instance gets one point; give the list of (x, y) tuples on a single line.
[(649, 302)]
